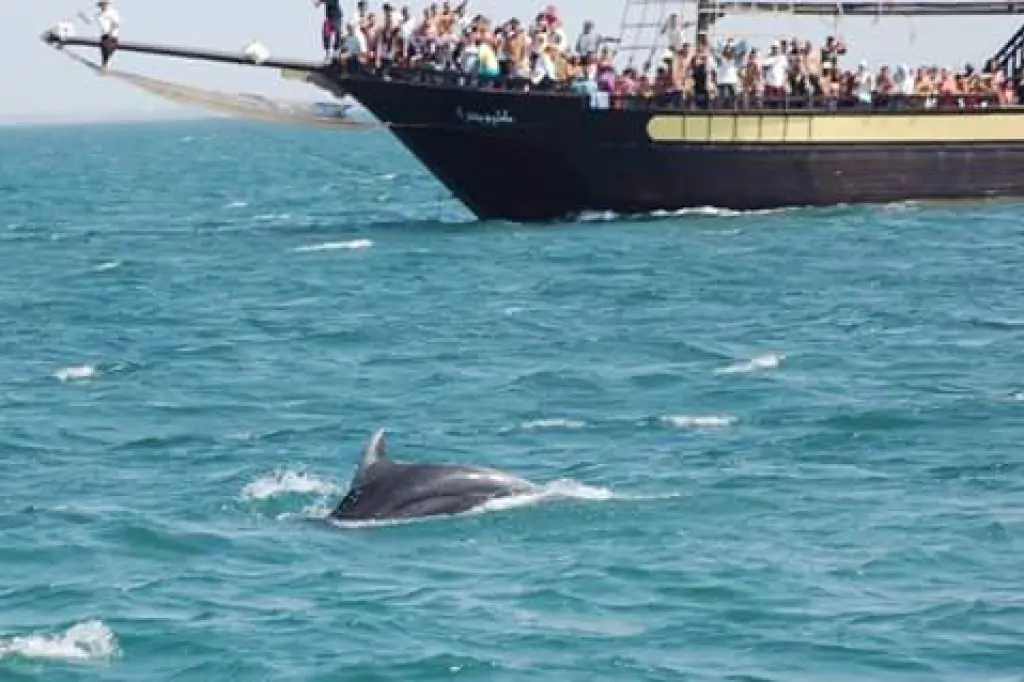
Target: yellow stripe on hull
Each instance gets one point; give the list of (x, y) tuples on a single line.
[(838, 128)]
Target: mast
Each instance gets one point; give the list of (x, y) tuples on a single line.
[(640, 38), (706, 17), (1010, 58)]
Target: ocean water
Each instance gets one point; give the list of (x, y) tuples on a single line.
[(773, 446)]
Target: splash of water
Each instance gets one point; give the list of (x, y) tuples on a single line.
[(86, 641), (286, 482)]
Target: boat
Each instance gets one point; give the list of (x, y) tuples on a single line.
[(538, 156)]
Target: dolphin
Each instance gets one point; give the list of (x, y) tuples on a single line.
[(385, 489)]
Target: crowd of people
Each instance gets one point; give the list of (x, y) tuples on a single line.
[(540, 55)]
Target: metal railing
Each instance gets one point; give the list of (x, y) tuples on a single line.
[(806, 103), (427, 75)]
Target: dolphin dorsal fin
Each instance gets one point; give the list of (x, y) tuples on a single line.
[(375, 451)]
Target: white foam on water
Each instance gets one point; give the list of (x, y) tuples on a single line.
[(755, 364), (537, 424), (77, 373), (90, 640), (900, 206), (710, 421), (703, 210), (109, 265), (314, 512), (272, 217), (237, 204), (563, 489), (712, 211), (287, 482), (353, 245)]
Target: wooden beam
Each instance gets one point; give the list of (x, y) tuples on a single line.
[(196, 54)]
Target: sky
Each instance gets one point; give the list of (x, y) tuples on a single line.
[(38, 84)]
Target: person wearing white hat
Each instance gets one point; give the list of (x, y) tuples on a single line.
[(109, 20)]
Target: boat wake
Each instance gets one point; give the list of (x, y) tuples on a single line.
[(710, 211)]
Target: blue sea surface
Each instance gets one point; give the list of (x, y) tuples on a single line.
[(775, 446)]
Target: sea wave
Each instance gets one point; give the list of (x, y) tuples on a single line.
[(352, 245), (755, 364), (90, 640), (75, 373), (686, 421), (538, 424)]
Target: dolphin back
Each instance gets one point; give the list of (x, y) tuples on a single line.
[(388, 490)]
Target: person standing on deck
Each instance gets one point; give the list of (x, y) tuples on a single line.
[(589, 42), (332, 27), (109, 20)]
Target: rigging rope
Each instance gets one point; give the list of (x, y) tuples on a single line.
[(252, 107)]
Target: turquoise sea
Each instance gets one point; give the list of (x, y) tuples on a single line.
[(778, 446)]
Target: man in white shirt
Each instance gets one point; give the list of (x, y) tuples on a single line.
[(776, 69), (109, 20)]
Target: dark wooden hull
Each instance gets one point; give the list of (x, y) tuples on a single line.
[(538, 157)]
